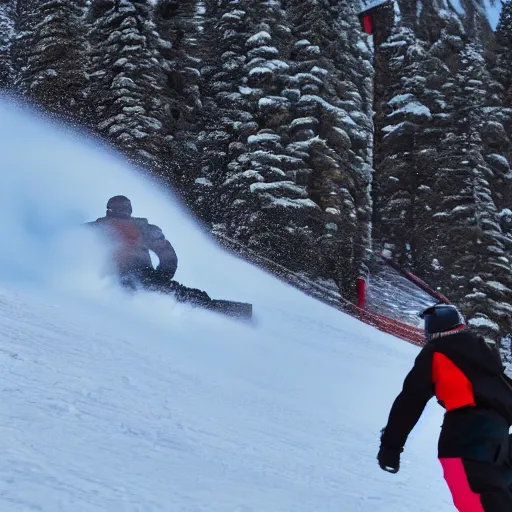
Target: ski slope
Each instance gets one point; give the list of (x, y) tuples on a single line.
[(112, 403)]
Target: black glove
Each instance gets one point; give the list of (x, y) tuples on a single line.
[(389, 458)]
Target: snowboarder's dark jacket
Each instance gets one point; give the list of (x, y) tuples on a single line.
[(133, 238), (468, 380)]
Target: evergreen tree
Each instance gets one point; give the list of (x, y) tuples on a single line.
[(474, 265), (225, 31), (401, 121), (259, 201), (428, 18), (178, 27), (333, 126), (413, 114), (6, 37), (290, 147), (441, 161), (504, 28), (499, 125), (25, 18), (126, 78), (503, 71), (51, 51), (264, 204)]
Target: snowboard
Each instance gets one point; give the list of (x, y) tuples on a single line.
[(193, 296), (240, 310)]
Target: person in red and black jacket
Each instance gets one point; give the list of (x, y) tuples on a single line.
[(133, 238), (467, 378)]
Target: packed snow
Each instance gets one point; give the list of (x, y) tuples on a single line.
[(112, 403), (259, 38), (414, 108)]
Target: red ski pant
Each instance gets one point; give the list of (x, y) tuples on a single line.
[(478, 486)]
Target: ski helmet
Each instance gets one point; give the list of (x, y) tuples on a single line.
[(119, 206), (441, 318)]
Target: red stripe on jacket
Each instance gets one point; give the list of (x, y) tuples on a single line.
[(452, 387)]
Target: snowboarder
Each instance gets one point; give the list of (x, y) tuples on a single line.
[(133, 238), (467, 378)]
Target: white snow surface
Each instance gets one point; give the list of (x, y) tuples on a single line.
[(413, 107), (113, 403)]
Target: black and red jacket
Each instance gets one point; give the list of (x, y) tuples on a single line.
[(133, 238), (468, 380)]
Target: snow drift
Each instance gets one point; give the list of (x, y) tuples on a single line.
[(123, 404)]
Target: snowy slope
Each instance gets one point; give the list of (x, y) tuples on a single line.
[(117, 404)]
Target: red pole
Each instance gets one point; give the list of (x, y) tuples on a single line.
[(361, 292), (368, 24)]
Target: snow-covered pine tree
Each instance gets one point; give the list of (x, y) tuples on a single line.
[(265, 204), (222, 71), (257, 200), (495, 130), (497, 136), (412, 116), (333, 127), (452, 167), (178, 26), (503, 70), (6, 37), (126, 78), (357, 58), (53, 71), (401, 120), (474, 264), (25, 19), (427, 18)]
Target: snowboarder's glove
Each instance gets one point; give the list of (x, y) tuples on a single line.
[(389, 458)]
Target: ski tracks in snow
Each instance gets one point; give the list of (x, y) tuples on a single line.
[(101, 415)]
